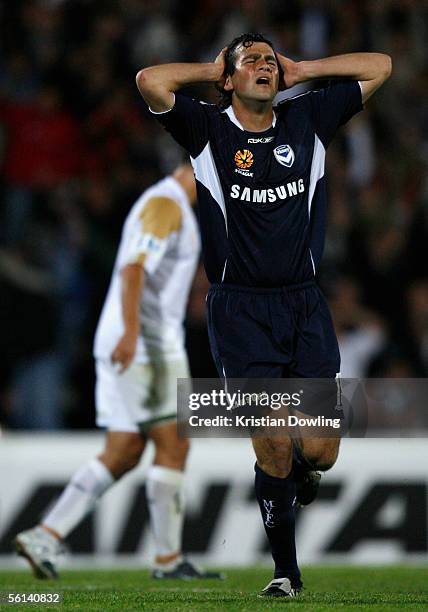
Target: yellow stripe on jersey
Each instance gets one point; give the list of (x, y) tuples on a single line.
[(161, 217)]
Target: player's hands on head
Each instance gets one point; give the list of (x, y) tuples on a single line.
[(124, 351), (290, 71), (220, 61)]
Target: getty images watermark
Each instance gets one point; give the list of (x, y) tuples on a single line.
[(302, 407), (272, 402)]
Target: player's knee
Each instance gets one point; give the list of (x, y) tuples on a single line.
[(173, 456), (123, 458), (322, 456), (179, 451), (274, 455), (131, 459), (183, 447), (170, 450), (323, 464)]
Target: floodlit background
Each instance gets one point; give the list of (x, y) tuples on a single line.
[(77, 147)]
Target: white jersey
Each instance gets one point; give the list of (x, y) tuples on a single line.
[(161, 232)]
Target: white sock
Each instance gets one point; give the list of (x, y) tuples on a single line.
[(166, 505), (79, 497)]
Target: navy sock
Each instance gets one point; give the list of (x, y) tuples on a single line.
[(276, 498)]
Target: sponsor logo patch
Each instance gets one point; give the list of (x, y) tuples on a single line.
[(284, 155), (244, 172), (148, 243), (267, 196), (264, 140), (244, 159)]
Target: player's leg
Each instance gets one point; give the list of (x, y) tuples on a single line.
[(121, 454), (275, 491), (118, 400), (243, 347), (315, 450), (42, 544), (317, 357), (165, 481), (319, 453), (313, 455), (165, 478)]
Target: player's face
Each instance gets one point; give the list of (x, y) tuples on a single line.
[(256, 73)]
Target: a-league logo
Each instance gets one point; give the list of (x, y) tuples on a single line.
[(284, 155), (244, 159)]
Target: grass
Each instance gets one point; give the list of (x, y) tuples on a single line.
[(326, 588)]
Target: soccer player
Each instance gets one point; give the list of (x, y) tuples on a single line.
[(260, 180), (139, 351)]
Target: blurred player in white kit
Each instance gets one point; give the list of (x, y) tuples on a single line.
[(139, 352)]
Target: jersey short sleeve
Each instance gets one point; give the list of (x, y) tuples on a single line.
[(334, 106), (187, 123), (153, 231)]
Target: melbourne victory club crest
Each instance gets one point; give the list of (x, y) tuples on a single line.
[(284, 155), (244, 159)]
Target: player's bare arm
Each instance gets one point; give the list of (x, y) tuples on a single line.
[(371, 69), (157, 84), (132, 277)]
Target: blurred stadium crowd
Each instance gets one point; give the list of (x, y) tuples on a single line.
[(77, 146)]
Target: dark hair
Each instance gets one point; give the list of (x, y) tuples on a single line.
[(244, 40)]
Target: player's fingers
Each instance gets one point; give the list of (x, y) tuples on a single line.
[(220, 59), (115, 356), (125, 365), (220, 56), (118, 356)]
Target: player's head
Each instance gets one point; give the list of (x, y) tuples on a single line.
[(184, 175), (251, 69)]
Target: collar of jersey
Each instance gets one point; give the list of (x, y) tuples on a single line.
[(231, 114)]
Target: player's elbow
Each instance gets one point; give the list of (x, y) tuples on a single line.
[(144, 81), (148, 81), (155, 89), (386, 66)]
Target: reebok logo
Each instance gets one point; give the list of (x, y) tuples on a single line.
[(260, 140)]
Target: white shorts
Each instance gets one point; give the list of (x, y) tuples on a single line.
[(144, 394)]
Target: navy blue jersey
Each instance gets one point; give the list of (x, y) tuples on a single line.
[(261, 195)]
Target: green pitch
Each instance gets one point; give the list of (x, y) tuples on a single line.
[(326, 588)]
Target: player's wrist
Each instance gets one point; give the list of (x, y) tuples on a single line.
[(294, 72), (132, 329), (305, 71)]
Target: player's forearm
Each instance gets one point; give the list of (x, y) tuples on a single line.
[(358, 66), (132, 279), (174, 76), (158, 83)]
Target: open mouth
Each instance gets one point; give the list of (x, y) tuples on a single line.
[(263, 81)]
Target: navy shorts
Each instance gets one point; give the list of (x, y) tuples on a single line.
[(272, 333)]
